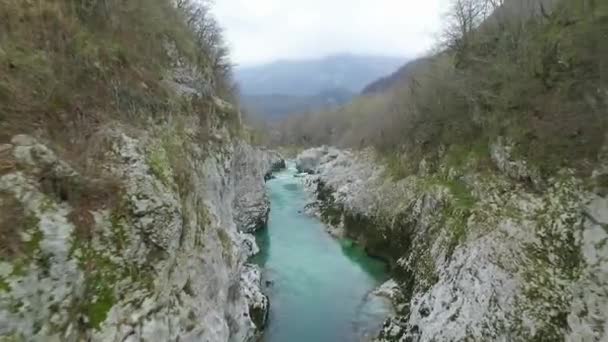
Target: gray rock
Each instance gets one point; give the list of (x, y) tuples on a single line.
[(251, 201), (588, 317), (308, 160), (502, 155), (476, 287), (251, 281), (23, 140), (168, 265), (391, 290), (155, 206)]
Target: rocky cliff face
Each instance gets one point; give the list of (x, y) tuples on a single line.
[(477, 255), (251, 201), (140, 232), (153, 248)]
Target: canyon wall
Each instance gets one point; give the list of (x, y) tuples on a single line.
[(477, 255)]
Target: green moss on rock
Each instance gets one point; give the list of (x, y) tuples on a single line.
[(118, 224), (226, 242), (159, 164), (96, 310), (4, 286), (554, 261), (33, 244), (15, 337)]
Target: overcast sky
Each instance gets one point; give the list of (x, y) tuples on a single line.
[(260, 31)]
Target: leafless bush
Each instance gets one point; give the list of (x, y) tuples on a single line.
[(210, 40), (526, 69)]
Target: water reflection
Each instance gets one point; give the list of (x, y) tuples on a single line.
[(373, 266), (320, 288)]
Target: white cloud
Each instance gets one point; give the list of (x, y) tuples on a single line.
[(260, 31)]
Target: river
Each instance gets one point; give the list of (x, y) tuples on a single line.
[(320, 288)]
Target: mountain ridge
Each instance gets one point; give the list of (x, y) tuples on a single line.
[(293, 77)]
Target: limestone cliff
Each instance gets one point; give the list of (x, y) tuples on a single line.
[(127, 186), (137, 256), (477, 255)]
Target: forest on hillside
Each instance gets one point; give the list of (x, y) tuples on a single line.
[(533, 72), (119, 57)]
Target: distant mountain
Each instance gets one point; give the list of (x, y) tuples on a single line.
[(311, 77), (278, 89), (277, 106)]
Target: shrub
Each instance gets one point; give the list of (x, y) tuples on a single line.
[(534, 71), (69, 66)]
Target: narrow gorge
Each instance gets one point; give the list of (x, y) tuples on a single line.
[(129, 189), (153, 188), (320, 288)]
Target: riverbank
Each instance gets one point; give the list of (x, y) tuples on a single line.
[(320, 288), (477, 255)]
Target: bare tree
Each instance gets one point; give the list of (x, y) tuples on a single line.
[(209, 36)]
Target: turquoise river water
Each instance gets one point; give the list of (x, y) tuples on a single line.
[(320, 288)]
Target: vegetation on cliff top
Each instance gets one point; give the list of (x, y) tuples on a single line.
[(535, 75), (67, 67)]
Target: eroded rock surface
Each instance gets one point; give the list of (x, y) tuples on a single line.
[(478, 256), (156, 251), (251, 200)]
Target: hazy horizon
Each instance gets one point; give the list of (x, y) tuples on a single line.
[(296, 59), (268, 31)]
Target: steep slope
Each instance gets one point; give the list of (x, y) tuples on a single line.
[(537, 78), (482, 180), (146, 263), (400, 77), (127, 189), (478, 256)]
